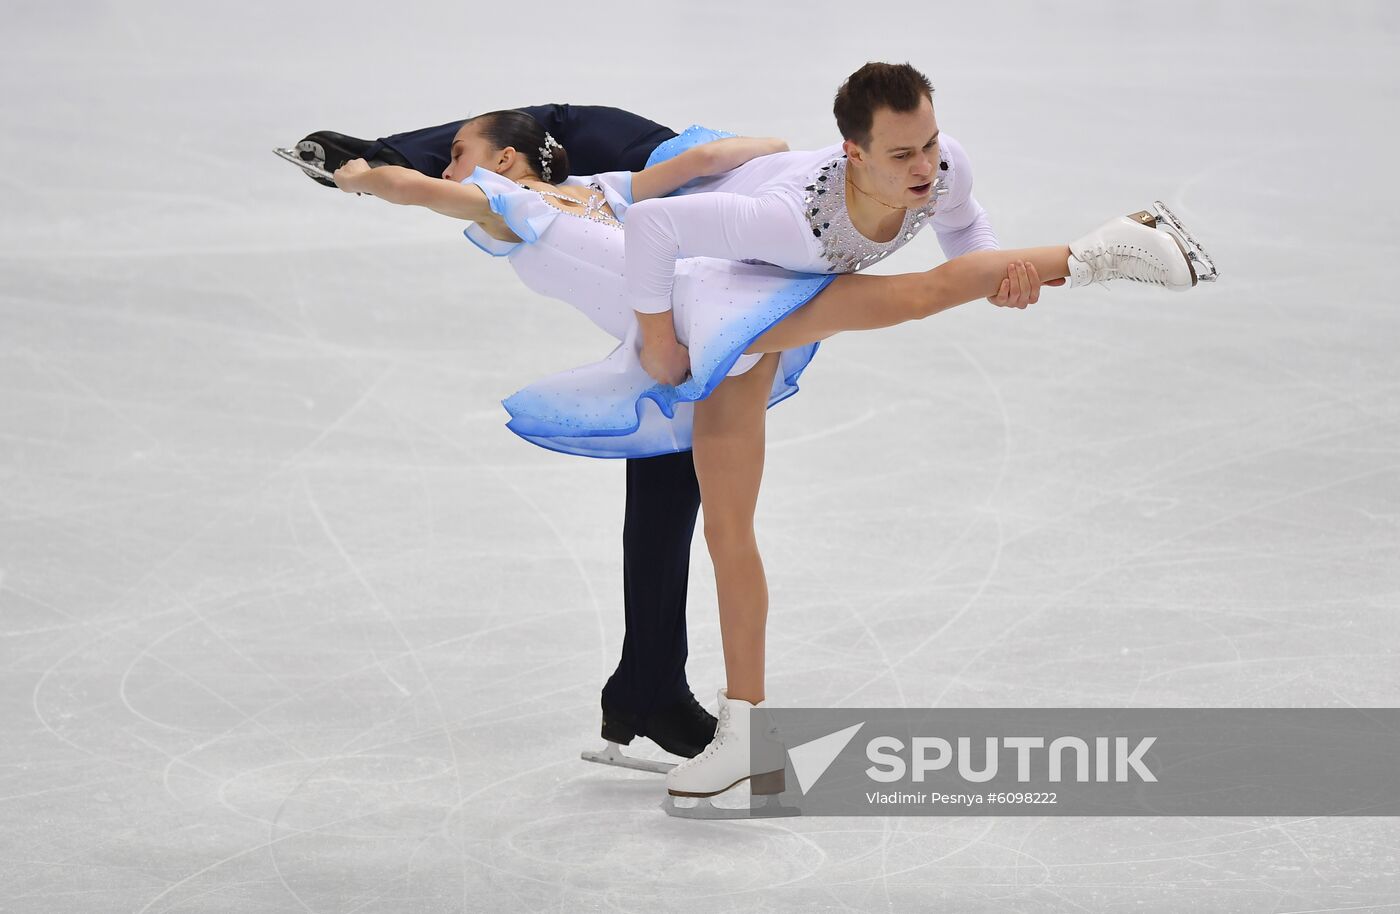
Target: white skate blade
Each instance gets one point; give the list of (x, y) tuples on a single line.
[(1202, 266), (612, 754), (311, 168), (766, 807)]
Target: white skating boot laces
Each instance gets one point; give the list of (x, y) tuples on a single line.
[(1123, 261), (722, 728)]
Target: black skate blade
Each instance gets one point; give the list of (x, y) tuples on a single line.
[(1202, 265), (612, 754), (311, 169), (766, 807)]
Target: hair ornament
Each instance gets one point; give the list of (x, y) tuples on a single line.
[(547, 154)]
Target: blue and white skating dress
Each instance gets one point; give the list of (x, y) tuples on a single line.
[(786, 210), (613, 408)]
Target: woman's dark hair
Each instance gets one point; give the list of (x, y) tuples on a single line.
[(526, 135), (897, 86)]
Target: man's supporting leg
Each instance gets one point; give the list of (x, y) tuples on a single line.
[(663, 500), (648, 693)]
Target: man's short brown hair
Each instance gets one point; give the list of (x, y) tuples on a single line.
[(897, 86)]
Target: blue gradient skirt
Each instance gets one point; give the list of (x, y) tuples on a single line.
[(613, 408)]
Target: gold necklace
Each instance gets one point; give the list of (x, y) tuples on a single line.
[(852, 181)]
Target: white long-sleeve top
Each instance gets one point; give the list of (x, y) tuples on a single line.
[(789, 210)]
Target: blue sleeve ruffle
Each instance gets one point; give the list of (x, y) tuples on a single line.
[(617, 187), (524, 212)]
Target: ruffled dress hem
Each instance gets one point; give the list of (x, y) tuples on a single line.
[(561, 435)]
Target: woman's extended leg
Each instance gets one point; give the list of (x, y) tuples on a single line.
[(857, 302), (729, 446)]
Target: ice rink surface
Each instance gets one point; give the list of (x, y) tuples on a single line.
[(289, 622)]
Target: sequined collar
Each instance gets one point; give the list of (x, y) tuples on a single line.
[(592, 207), (843, 247)]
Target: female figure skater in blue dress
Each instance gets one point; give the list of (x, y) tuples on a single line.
[(747, 329)]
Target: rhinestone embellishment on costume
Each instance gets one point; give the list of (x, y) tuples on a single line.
[(844, 248), (592, 207)]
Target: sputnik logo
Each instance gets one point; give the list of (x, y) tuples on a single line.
[(811, 759)]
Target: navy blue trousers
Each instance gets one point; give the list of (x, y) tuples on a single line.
[(663, 495)]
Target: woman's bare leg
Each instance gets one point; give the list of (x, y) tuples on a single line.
[(856, 302), (729, 446)]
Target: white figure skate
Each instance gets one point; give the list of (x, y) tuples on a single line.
[(1148, 246), (730, 759)]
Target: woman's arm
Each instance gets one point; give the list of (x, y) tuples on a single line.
[(711, 158), (410, 188)]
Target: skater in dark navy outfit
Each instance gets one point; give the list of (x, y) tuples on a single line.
[(648, 694), (599, 139)]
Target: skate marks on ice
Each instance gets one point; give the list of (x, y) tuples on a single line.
[(1136, 510)]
